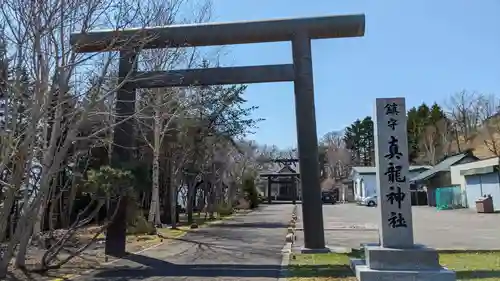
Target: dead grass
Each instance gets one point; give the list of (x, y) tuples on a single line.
[(469, 266)]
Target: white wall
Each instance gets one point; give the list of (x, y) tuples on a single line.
[(369, 186), (458, 179), (364, 185)]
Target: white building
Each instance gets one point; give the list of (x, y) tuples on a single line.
[(478, 179), (365, 180)]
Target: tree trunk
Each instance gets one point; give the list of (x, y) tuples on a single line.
[(52, 207), (172, 188), (23, 247), (154, 214), (231, 194), (210, 200), (155, 195), (38, 226), (33, 213), (190, 198), (8, 203), (17, 181), (211, 194), (69, 202), (33, 226)]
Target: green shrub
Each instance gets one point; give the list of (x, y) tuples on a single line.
[(250, 191), (138, 225), (225, 210)]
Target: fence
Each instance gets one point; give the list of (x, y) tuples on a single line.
[(448, 198)]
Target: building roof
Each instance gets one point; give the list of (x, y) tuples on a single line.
[(277, 168), (443, 166), (373, 170), (478, 165), (287, 169)]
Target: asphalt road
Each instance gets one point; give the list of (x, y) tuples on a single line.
[(349, 225), (247, 247)]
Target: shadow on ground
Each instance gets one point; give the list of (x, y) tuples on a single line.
[(334, 270), (157, 268), (252, 225), (477, 274)]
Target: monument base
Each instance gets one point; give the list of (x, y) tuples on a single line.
[(418, 263)]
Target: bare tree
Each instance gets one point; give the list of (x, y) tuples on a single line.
[(445, 137), (430, 143), (489, 132), (62, 99), (166, 104), (463, 109), (338, 156), (166, 109)]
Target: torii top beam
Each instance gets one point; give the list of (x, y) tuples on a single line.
[(213, 34)]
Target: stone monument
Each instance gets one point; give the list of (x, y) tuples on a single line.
[(396, 257)]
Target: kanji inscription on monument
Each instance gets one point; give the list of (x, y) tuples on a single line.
[(393, 188)]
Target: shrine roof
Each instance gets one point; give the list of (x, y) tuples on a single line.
[(279, 170)]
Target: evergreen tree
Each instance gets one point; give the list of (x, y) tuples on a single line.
[(419, 120), (359, 138)]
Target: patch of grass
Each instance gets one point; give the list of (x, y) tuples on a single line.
[(471, 266), (321, 267), (142, 238), (172, 233)]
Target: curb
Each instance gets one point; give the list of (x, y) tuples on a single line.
[(70, 277), (286, 252), (285, 261)]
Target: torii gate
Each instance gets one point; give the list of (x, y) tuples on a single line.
[(300, 31), (279, 178)]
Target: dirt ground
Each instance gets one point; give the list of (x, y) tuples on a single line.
[(89, 259), (94, 257)]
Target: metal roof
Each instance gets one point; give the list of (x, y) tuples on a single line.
[(443, 166)]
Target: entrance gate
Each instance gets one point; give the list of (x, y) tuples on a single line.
[(299, 31)]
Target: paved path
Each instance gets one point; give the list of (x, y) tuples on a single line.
[(349, 225), (247, 247)]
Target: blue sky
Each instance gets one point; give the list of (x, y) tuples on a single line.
[(423, 50)]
